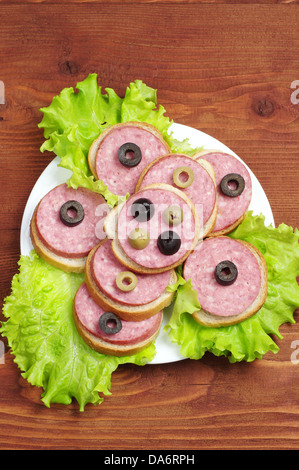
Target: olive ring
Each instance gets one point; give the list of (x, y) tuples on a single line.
[(124, 150), (109, 317), (232, 178), (142, 209), (180, 171), (66, 218), (126, 281), (226, 273)]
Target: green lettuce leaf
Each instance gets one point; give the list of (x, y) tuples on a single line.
[(39, 327), (45, 342), (88, 108), (72, 122), (140, 104), (185, 297), (75, 119), (250, 339)]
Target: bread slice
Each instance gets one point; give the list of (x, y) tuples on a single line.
[(104, 347), (75, 265), (126, 312), (97, 142), (110, 228), (208, 319), (210, 223), (200, 156)]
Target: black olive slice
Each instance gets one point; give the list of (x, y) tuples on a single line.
[(125, 150), (235, 179), (169, 242), (142, 209), (110, 323), (68, 219), (226, 273)]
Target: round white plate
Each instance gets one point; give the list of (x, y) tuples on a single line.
[(54, 175)]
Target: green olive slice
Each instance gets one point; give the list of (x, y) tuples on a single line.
[(183, 182), (126, 281), (139, 238), (173, 215)]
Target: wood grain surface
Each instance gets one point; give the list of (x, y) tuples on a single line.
[(225, 68)]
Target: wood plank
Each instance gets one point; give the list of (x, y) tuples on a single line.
[(218, 93), (154, 2), (225, 69), (174, 404)]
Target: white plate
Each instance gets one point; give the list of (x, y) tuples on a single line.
[(54, 175)]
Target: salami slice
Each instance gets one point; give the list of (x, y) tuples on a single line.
[(89, 312), (215, 298), (201, 191), (104, 158), (70, 241), (183, 236), (230, 210), (105, 268)]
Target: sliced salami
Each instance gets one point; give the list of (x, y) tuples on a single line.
[(65, 240), (113, 168), (177, 240), (88, 313), (215, 298), (106, 268), (201, 190), (230, 209)]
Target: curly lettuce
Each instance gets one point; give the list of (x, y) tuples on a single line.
[(39, 326), (75, 119), (45, 342), (251, 338)]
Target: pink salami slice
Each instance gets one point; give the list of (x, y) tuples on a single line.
[(105, 268), (119, 178), (201, 192), (151, 256), (223, 300), (89, 313), (229, 209), (75, 241)]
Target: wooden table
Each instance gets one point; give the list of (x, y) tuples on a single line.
[(225, 68)]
